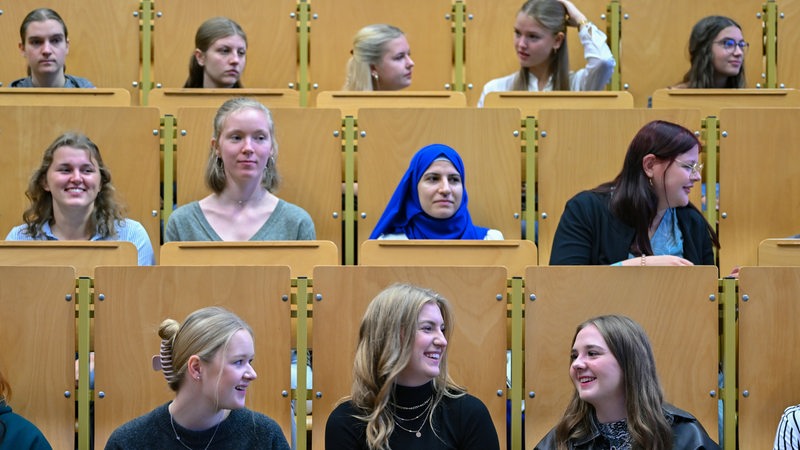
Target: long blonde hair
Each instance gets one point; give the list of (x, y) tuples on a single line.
[(385, 344), (369, 45)]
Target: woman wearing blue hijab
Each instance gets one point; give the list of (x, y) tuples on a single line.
[(431, 202)]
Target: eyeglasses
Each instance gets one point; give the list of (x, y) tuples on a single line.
[(692, 168), (730, 45)]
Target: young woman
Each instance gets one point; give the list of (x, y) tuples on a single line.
[(242, 174), (16, 432), (644, 216), (207, 362), (219, 56), (402, 396), (540, 41), (72, 199), (716, 50), (44, 43), (431, 201), (380, 61), (618, 401)]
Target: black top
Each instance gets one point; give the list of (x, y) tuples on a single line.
[(588, 234), (242, 429), (687, 434), (461, 423)]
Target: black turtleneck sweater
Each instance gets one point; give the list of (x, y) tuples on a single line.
[(461, 423)]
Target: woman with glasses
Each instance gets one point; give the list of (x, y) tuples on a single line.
[(717, 50), (643, 217), (540, 42)]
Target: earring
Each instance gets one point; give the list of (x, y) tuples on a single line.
[(375, 76), (650, 180)]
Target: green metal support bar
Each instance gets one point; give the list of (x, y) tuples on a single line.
[(349, 190), (517, 357), (301, 392), (730, 333), (711, 133), (303, 9), (458, 70), (84, 300), (614, 33), (531, 213), (168, 136), (146, 84), (771, 43)]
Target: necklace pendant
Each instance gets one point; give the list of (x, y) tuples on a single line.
[(419, 434)]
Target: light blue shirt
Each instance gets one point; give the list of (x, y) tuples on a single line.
[(127, 230), (667, 240)]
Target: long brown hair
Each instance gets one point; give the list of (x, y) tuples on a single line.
[(644, 398), (551, 15), (107, 211)]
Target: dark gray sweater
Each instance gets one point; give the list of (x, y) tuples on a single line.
[(243, 429)]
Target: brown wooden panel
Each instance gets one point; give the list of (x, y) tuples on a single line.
[(711, 101), (309, 161), (342, 295), (788, 35), (427, 25), (767, 368), (530, 103), (672, 305), (759, 190), (514, 255), (349, 102), (579, 149), (65, 97), (136, 301), (82, 256), (300, 256), (38, 341), (485, 139), (169, 100), (779, 252), (271, 39), (128, 139)]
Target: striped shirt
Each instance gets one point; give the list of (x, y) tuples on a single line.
[(787, 437)]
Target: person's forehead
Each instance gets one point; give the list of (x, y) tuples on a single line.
[(44, 28)]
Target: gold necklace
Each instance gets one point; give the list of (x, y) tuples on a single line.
[(411, 408), (178, 438), (417, 432), (425, 412)]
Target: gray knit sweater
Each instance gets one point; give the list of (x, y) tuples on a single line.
[(243, 429)]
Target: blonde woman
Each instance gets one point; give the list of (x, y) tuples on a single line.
[(207, 362), (402, 396), (380, 61)]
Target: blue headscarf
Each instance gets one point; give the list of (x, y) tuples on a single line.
[(404, 214)]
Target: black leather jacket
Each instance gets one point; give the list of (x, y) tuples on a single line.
[(688, 434)]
